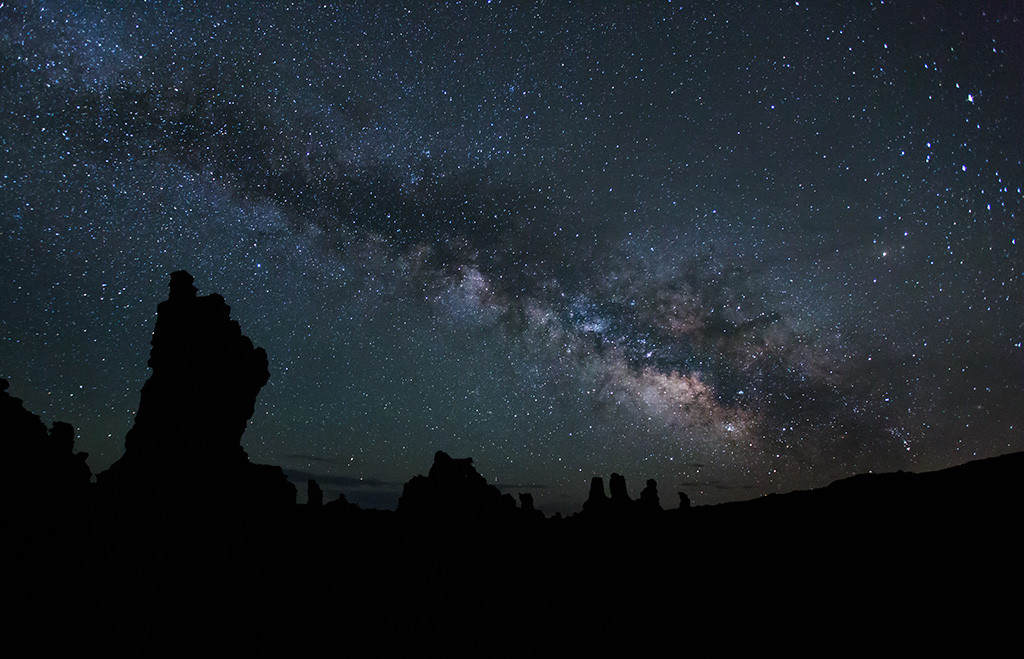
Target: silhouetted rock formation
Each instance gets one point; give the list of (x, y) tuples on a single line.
[(186, 441), (597, 501), (620, 503), (684, 501), (454, 490), (341, 505), (649, 497), (314, 495), (526, 508), (44, 517), (43, 464)]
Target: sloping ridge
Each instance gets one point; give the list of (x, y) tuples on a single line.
[(979, 492)]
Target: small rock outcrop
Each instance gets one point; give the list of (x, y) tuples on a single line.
[(597, 501), (620, 497), (526, 507), (341, 505), (186, 440), (45, 466), (314, 494), (649, 497), (453, 490)]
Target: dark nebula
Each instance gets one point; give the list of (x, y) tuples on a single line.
[(736, 249)]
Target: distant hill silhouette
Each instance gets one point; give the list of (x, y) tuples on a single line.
[(976, 488), (186, 441)]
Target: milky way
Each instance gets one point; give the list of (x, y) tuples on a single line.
[(736, 249)]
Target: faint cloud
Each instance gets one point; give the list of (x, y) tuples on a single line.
[(337, 480), (302, 457), (524, 486)]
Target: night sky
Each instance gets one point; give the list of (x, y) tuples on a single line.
[(738, 249)]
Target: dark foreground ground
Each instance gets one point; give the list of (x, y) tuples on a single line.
[(929, 565)]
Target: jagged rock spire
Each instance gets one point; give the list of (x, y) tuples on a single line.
[(196, 403), (597, 501)]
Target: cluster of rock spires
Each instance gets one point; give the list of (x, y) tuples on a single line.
[(620, 504), (453, 489)]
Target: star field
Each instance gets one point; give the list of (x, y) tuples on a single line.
[(736, 249)]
